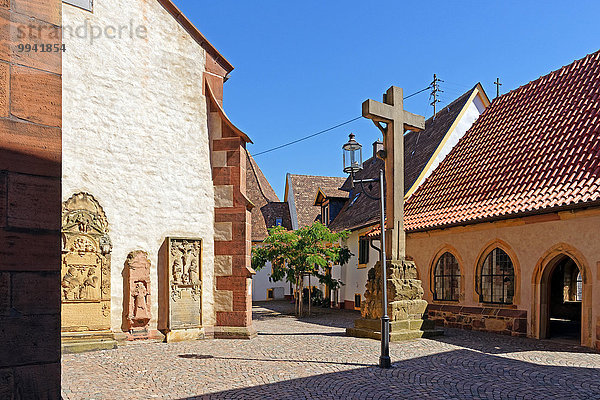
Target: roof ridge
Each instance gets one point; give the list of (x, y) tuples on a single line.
[(258, 181), (318, 176), (552, 72)]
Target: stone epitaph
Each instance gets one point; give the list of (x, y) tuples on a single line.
[(406, 307), (180, 290), (85, 276), (137, 295)]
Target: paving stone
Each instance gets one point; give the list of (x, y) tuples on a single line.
[(313, 359)]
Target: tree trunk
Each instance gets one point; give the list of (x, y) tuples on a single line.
[(297, 299), (301, 295), (309, 296)]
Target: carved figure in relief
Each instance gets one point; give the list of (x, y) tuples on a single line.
[(177, 272), (70, 285), (82, 245), (194, 276), (185, 262), (140, 304), (89, 284)]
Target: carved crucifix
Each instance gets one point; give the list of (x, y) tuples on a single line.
[(391, 112)]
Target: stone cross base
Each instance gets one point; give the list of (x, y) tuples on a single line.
[(406, 307), (399, 330), (80, 342)]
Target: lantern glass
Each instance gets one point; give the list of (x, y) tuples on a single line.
[(352, 155)]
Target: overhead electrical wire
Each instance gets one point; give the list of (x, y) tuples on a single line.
[(326, 130)]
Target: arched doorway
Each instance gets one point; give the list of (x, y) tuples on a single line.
[(561, 300)]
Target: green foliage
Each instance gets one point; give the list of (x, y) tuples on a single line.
[(307, 251)]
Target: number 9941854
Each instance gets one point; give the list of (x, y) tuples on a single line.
[(41, 48)]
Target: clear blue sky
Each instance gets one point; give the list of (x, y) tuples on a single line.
[(304, 66)]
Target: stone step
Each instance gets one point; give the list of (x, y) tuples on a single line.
[(395, 326), (397, 336), (82, 346), (87, 335)]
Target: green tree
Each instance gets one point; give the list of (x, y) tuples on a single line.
[(306, 251)]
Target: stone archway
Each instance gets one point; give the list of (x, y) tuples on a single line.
[(557, 303)]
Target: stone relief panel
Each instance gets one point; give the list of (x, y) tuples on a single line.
[(137, 292), (85, 270), (180, 285), (185, 267)]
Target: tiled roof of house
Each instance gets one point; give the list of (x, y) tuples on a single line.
[(305, 190), (334, 193), (267, 207), (419, 147), (536, 149)]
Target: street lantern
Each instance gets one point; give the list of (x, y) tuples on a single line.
[(353, 164), (352, 156)]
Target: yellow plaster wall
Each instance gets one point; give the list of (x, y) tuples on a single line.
[(532, 243)]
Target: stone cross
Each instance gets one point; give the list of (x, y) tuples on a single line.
[(392, 113)]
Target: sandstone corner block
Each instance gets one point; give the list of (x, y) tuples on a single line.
[(224, 196), (223, 265), (223, 231), (223, 300)]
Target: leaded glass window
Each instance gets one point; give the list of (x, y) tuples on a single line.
[(446, 278), (497, 278)]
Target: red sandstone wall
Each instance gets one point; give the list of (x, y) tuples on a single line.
[(233, 277), (487, 319), (30, 201)]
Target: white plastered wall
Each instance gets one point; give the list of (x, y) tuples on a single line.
[(135, 136), (261, 282)]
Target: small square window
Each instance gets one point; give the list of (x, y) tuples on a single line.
[(270, 294), (85, 4)]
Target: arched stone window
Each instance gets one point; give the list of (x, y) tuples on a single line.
[(497, 278), (446, 277)]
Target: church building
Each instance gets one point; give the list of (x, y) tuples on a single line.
[(155, 220)]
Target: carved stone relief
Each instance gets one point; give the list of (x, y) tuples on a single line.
[(180, 285), (137, 293), (85, 271), (185, 267)]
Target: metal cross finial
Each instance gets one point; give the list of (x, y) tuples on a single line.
[(498, 84)]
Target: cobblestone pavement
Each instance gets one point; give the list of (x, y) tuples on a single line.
[(313, 359)]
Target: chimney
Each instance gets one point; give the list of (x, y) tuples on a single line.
[(378, 145)]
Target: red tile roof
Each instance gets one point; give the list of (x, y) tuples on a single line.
[(536, 149)]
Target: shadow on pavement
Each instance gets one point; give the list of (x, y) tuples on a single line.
[(457, 374), (210, 357), (494, 343), (302, 334)]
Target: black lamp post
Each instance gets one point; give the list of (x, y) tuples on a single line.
[(352, 157)]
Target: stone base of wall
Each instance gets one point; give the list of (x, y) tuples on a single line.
[(598, 332), (499, 320), (234, 332), (140, 334), (347, 305)]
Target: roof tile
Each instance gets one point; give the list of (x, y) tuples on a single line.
[(534, 149)]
